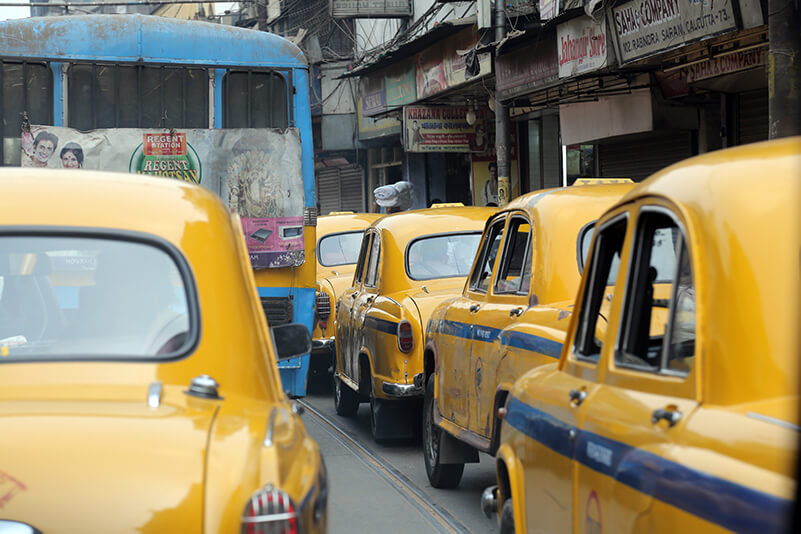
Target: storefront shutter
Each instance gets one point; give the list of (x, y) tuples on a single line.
[(753, 117), (340, 189), (640, 156)]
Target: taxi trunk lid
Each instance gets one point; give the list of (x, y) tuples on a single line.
[(114, 465)]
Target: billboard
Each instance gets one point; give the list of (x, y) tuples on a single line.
[(371, 8), (256, 172), (444, 129)]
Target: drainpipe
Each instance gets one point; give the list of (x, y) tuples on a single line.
[(501, 117)]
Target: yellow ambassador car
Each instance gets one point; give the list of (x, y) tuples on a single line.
[(338, 244), (409, 262), (507, 319), (675, 413), (139, 389)]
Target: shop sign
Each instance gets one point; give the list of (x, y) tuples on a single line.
[(444, 65), (400, 83), (738, 61), (581, 46), (444, 129), (371, 89), (371, 8), (372, 128), (646, 27), (527, 69), (256, 172)]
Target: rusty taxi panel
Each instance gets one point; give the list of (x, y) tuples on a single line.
[(680, 413), (81, 388)]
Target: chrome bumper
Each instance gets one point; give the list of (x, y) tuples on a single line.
[(323, 344), (401, 390), (489, 501)]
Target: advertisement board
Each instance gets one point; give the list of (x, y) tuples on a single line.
[(444, 129), (256, 172), (581, 46), (646, 27), (371, 8), (527, 69)]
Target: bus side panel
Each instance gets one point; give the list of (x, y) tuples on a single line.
[(300, 79)]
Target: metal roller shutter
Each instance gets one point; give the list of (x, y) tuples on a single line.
[(340, 189), (351, 188), (753, 117), (328, 190), (639, 157)]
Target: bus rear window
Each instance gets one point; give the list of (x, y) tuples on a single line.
[(253, 99), (79, 298)]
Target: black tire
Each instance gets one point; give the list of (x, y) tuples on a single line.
[(507, 517), (346, 401), (441, 476)]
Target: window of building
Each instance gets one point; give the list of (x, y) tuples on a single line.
[(120, 96), (255, 99)]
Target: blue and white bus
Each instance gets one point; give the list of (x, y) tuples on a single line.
[(92, 78)]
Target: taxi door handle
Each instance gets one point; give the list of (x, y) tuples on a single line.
[(474, 308), (517, 312), (671, 416), (577, 396)]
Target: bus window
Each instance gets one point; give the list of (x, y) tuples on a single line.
[(28, 87), (254, 99), (117, 96)]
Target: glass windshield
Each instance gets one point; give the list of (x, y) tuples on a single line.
[(340, 249), (85, 298), (441, 256)]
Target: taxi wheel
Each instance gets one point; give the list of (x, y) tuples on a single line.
[(507, 518), (439, 475), (346, 401), (373, 419)]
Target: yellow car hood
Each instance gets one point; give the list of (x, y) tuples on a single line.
[(104, 466)]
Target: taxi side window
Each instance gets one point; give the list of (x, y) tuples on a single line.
[(515, 268), (482, 274), (372, 266), (600, 290), (363, 254), (658, 326)]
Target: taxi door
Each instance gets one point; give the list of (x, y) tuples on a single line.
[(454, 371), (363, 336), (345, 307), (649, 390), (561, 400), (506, 301)]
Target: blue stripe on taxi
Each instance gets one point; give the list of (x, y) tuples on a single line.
[(520, 340)]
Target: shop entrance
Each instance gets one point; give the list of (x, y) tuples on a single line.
[(448, 178)]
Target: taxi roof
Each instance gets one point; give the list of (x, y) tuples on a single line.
[(407, 225), (343, 222)]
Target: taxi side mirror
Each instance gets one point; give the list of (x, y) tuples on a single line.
[(291, 340)]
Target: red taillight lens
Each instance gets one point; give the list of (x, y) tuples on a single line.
[(405, 336), (269, 511), (323, 305)]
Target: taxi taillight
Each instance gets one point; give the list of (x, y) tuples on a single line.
[(405, 336), (269, 510), (323, 303)]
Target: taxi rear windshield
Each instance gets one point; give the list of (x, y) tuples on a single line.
[(87, 298), (340, 249), (441, 256)]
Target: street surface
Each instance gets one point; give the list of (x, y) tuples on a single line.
[(384, 488)]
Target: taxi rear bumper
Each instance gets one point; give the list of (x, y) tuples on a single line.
[(401, 390)]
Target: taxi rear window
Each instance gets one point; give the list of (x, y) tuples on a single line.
[(93, 298), (441, 256), (339, 249)]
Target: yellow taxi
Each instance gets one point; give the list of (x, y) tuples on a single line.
[(339, 240), (672, 410), (409, 262), (139, 389), (512, 316)]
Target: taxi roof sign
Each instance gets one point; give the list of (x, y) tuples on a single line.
[(602, 181), (447, 205), (341, 212)]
